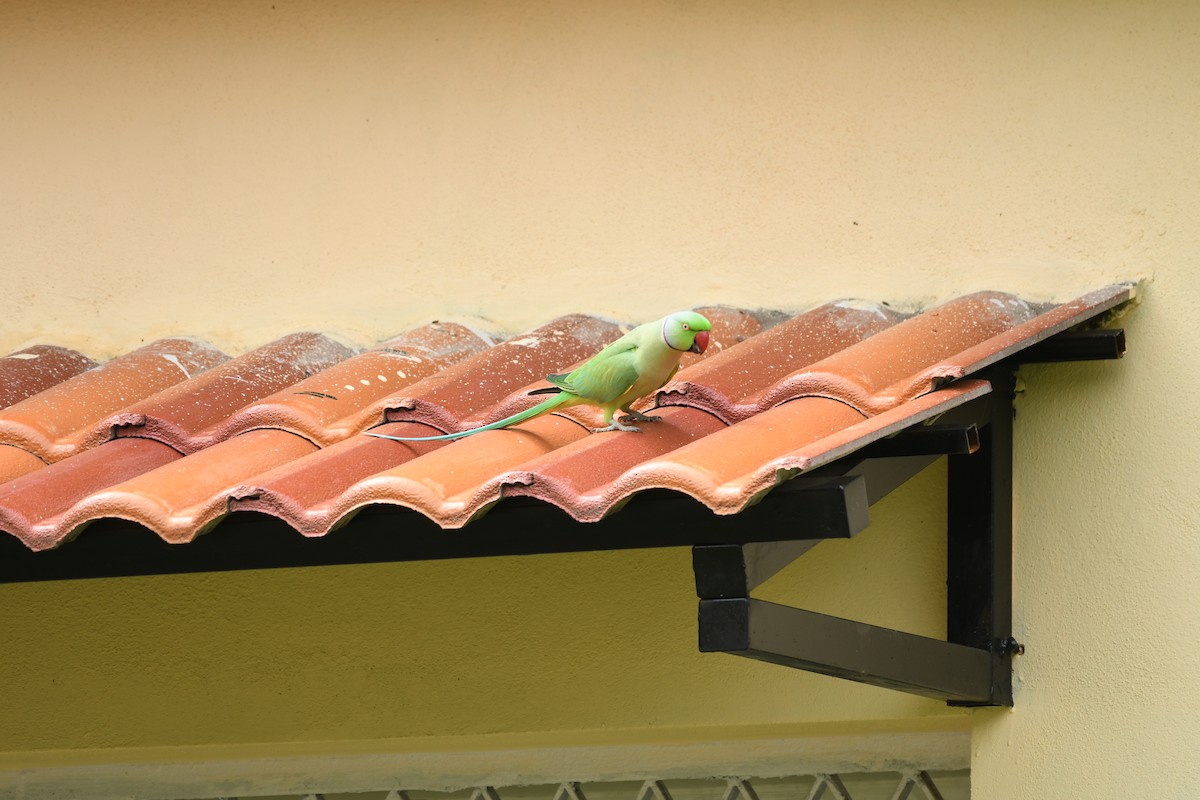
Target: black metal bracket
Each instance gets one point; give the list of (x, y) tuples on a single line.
[(973, 665)]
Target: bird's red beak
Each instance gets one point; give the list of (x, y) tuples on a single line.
[(701, 342)]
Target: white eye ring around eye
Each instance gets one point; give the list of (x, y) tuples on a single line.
[(687, 327)]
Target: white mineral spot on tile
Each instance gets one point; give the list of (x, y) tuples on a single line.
[(528, 341), (175, 360), (365, 382), (349, 388), (400, 373), (861, 305), (24, 356), (382, 378)]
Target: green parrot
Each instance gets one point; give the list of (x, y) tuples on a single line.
[(633, 366)]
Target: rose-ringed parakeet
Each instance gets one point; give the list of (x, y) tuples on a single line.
[(632, 367)]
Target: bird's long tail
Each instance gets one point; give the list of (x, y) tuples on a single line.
[(529, 413)]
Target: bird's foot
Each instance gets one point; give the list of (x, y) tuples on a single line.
[(637, 416), (617, 425)]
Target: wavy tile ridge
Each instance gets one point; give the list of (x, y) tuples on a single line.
[(60, 421), (319, 406), (453, 485), (1046, 321), (730, 490), (168, 502), (305, 493), (731, 384), (32, 506), (580, 477), (864, 374), (203, 480), (192, 415), (453, 399)]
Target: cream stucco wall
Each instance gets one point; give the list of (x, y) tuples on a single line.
[(236, 171)]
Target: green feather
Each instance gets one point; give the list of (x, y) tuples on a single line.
[(529, 413)]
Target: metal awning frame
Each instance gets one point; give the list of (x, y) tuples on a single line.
[(973, 665)]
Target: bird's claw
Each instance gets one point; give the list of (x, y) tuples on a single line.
[(637, 416), (616, 425)]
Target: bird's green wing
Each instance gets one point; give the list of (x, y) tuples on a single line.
[(605, 377)]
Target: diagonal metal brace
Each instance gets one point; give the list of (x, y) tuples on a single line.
[(842, 648)]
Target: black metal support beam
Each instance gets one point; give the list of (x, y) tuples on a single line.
[(816, 507), (842, 648), (979, 543), (926, 440), (732, 570), (1084, 345)]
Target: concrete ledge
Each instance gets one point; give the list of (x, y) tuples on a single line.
[(212, 772)]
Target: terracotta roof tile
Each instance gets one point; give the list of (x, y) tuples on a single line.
[(278, 430), (453, 484), (32, 506), (306, 492), (194, 414), (180, 498), (1050, 319), (450, 485), (35, 369), (739, 383), (581, 478), (734, 467), (15, 462), (454, 398), (65, 418), (327, 407), (897, 363)]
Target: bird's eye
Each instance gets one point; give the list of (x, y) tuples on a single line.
[(687, 327)]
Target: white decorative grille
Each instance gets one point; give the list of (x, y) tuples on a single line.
[(906, 785)]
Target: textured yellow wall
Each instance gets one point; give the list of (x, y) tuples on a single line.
[(1107, 568), (550, 643), (240, 170)]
